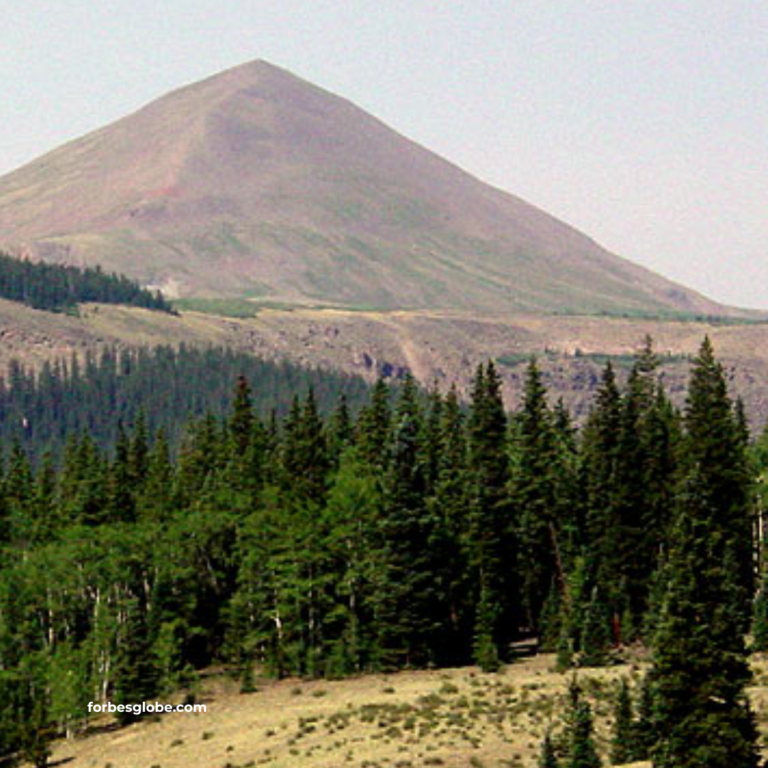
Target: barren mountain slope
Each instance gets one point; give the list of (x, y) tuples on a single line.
[(256, 183)]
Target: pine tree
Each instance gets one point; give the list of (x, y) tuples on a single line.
[(548, 758), (596, 637), (492, 522), (645, 734), (701, 714), (156, 499), (760, 618), (486, 652), (535, 489), (374, 430), (340, 430), (447, 501), (136, 674), (600, 449), (241, 418), (247, 681), (582, 752), (564, 650), (412, 603), (623, 747), (121, 483), (305, 451), (32, 713), (714, 449)]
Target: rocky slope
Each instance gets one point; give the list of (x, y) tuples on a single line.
[(441, 348)]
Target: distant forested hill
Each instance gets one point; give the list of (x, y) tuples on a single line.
[(103, 393), (56, 287)]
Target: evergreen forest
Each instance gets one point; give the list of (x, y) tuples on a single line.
[(56, 287), (101, 393), (414, 531)]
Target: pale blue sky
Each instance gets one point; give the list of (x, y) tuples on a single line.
[(643, 123)]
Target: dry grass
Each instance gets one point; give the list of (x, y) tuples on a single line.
[(455, 718), (452, 718)]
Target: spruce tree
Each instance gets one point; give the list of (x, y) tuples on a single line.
[(623, 746), (46, 520), (645, 733), (18, 493), (136, 674), (340, 430), (601, 456), (156, 499), (582, 752), (374, 430), (760, 618), (492, 522), (535, 492), (548, 758), (553, 618), (411, 602), (702, 717), (121, 484), (596, 639), (485, 649), (564, 650), (247, 681), (714, 449), (139, 452), (241, 417), (34, 730), (446, 445)]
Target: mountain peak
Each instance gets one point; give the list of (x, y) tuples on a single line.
[(256, 183), (250, 73)]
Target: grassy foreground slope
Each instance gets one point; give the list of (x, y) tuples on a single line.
[(458, 718)]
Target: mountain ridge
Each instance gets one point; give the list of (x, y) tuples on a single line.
[(255, 183)]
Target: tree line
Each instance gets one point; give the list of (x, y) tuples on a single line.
[(57, 287), (414, 533), (100, 391)]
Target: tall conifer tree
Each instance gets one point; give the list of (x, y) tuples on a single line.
[(535, 488), (701, 713), (492, 523)]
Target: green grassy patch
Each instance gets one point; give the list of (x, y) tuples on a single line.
[(241, 308)]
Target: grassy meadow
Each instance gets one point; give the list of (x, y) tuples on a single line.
[(454, 718)]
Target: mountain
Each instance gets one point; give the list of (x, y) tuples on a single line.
[(256, 184)]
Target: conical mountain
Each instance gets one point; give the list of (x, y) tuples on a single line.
[(256, 183)]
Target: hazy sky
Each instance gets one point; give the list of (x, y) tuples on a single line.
[(643, 123)]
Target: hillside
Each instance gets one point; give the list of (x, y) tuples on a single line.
[(362, 722), (256, 184), (358, 722), (436, 347)]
